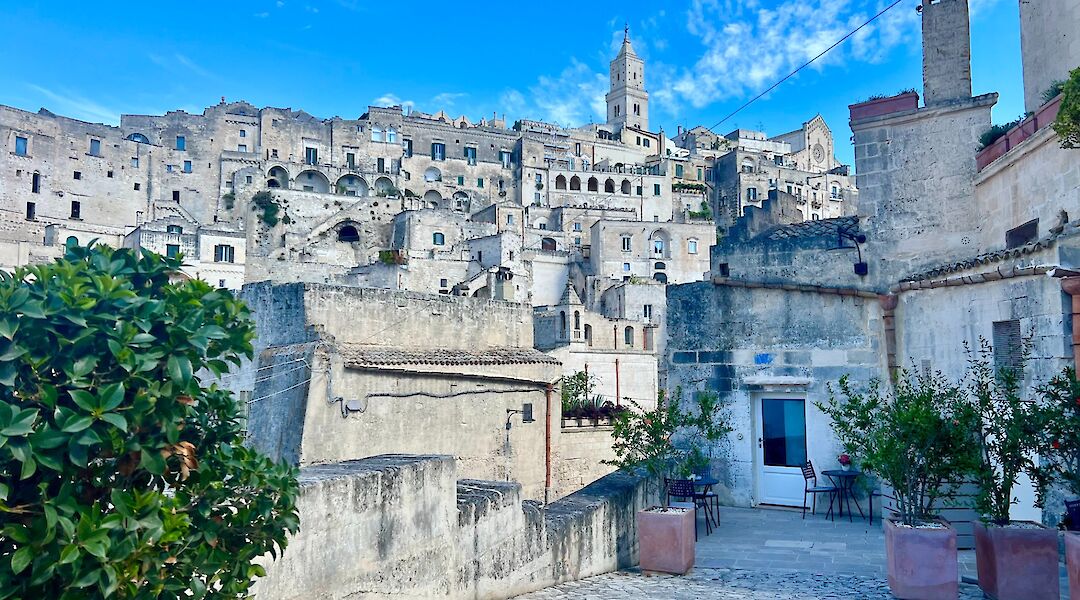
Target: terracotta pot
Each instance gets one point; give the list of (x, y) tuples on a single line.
[(1017, 563), (921, 562), (666, 540), (1072, 563)]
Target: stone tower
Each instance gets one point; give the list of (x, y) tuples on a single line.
[(946, 51), (627, 102)]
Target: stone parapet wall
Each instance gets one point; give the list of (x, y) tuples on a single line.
[(398, 526)]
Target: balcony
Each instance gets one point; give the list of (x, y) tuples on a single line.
[(1027, 128)]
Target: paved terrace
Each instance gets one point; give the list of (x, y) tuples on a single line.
[(768, 554)]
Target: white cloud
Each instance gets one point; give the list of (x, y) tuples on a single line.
[(68, 103), (447, 99), (747, 47), (573, 97), (392, 100)]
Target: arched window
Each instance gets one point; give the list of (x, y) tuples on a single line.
[(660, 277), (348, 233), (71, 241), (438, 238), (659, 266), (626, 187), (628, 336), (376, 133), (138, 138), (575, 183), (609, 186), (560, 182), (562, 323), (548, 244), (593, 184), (577, 320), (432, 174)]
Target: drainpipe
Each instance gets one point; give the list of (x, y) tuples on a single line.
[(1071, 286), (547, 444), (617, 395), (888, 304)]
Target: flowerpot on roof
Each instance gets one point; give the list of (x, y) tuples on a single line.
[(921, 561), (666, 539), (1017, 560), (1072, 563)]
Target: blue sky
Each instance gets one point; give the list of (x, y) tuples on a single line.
[(95, 60)]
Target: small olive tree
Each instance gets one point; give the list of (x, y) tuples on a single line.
[(917, 439), (1060, 449), (1067, 123), (121, 474)]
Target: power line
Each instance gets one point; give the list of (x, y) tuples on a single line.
[(806, 64)]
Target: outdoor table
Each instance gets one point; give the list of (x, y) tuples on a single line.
[(844, 482), (706, 483)]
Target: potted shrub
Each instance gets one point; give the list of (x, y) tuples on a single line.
[(1015, 559), (643, 443), (1061, 455), (917, 440), (575, 390)]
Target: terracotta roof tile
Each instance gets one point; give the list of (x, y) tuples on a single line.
[(356, 355)]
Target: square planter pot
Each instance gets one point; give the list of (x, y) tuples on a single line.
[(921, 562), (666, 540), (1072, 563), (1017, 563)]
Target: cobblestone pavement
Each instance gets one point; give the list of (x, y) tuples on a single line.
[(768, 554), (727, 584)]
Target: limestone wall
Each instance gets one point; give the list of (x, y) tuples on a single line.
[(578, 456), (399, 526)]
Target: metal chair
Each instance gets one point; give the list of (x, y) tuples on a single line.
[(684, 489), (813, 488)]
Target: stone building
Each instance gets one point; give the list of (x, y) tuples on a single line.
[(905, 283)]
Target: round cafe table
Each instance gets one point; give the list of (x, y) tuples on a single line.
[(706, 483), (844, 482)]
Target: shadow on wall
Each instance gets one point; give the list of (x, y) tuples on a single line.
[(404, 526)]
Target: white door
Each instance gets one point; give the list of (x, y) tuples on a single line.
[(781, 450)]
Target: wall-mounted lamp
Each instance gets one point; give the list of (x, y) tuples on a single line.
[(862, 269), (526, 413)]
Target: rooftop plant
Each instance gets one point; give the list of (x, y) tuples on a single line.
[(121, 474), (917, 438), (1067, 124)]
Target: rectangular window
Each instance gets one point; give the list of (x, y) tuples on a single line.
[(187, 166), (35, 183), (172, 250), (109, 174), (135, 162), (504, 158), (177, 229), (626, 267), (577, 226), (95, 147), (181, 142), (480, 182), (438, 151), (577, 148), (639, 190), (647, 311), (221, 283), (224, 253), (639, 140), (536, 196), (656, 189), (470, 155), (350, 160), (311, 155), (510, 219), (645, 142), (380, 165), (691, 247), (699, 174), (678, 170), (408, 148), (539, 178), (137, 186), (1008, 347), (20, 145), (461, 180), (778, 160), (31, 211), (243, 133), (241, 147), (77, 175), (273, 153), (443, 282), (247, 179), (176, 196), (783, 432), (577, 241), (626, 241), (1022, 235), (76, 209)]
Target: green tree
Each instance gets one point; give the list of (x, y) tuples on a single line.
[(1060, 447), (1067, 123), (917, 439), (121, 474)]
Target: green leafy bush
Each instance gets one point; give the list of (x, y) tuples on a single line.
[(1060, 448), (1067, 124), (996, 132), (229, 199), (121, 475), (264, 201), (917, 439)]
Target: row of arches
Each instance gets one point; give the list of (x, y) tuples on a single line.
[(593, 185), (311, 180)]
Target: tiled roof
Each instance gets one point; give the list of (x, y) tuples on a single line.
[(808, 229), (356, 355), (983, 259)]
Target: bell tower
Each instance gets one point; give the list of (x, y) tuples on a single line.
[(627, 100)]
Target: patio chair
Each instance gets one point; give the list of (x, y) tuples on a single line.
[(683, 489), (707, 495), (810, 486)]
